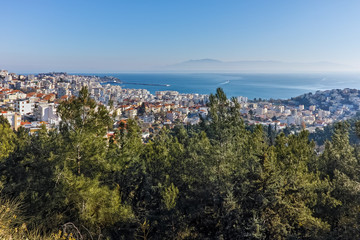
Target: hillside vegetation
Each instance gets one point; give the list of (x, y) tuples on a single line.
[(217, 180)]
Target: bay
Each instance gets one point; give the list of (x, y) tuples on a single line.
[(266, 86)]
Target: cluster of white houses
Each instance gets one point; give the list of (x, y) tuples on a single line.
[(31, 101)]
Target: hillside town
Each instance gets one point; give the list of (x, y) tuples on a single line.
[(31, 101)]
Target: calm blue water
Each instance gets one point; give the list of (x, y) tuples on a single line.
[(249, 85)]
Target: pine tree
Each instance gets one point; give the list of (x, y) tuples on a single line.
[(7, 138), (338, 162), (84, 164)]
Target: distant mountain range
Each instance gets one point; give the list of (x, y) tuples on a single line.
[(213, 65)]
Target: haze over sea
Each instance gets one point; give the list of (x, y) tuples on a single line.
[(266, 86)]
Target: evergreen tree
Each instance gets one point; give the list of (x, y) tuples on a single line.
[(338, 162), (7, 138)]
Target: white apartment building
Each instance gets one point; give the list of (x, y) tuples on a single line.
[(13, 118), (24, 107), (242, 99), (261, 111), (312, 108), (46, 112)]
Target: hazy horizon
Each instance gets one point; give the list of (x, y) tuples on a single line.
[(123, 36), (236, 67)]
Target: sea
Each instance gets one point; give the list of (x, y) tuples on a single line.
[(265, 86)]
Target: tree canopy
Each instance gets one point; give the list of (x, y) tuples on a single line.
[(218, 180)]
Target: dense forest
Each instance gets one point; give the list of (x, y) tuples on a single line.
[(217, 180)]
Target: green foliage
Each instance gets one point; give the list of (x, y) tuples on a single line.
[(339, 163), (12, 222), (6, 138), (170, 194), (321, 136), (96, 204), (218, 180)]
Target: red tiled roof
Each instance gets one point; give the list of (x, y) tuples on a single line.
[(30, 94)]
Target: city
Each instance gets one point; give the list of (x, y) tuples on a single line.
[(31, 101)]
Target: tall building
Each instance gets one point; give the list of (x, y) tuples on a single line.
[(24, 107), (13, 118)]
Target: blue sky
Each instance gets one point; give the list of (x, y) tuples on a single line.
[(115, 35)]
